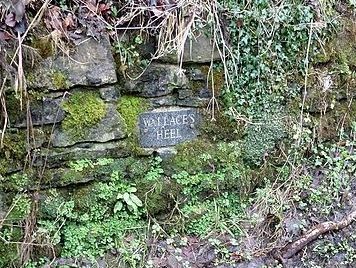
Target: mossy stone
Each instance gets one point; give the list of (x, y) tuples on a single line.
[(14, 151), (130, 107), (188, 157), (85, 109), (216, 79), (221, 129), (59, 80), (44, 45), (158, 196)]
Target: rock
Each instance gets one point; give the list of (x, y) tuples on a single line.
[(254, 263), (110, 93), (166, 127), (158, 80), (43, 112), (163, 101), (185, 93), (56, 157), (199, 49), (111, 127), (193, 102), (166, 153), (293, 226), (92, 64)]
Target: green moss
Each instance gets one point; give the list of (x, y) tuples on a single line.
[(14, 151), (158, 195), (130, 107), (188, 157), (85, 109), (223, 129), (217, 76), (44, 45), (328, 126), (9, 253), (59, 80)]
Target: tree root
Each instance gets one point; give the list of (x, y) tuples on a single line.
[(293, 248)]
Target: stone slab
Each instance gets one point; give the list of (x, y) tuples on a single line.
[(91, 64), (110, 128), (168, 127)]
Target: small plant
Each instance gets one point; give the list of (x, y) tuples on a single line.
[(129, 199)]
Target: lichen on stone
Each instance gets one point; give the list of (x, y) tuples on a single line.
[(84, 110)]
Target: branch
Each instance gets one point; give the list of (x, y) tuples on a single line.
[(294, 247)]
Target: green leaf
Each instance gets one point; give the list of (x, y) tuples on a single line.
[(126, 197), (136, 200), (118, 206), (132, 190)]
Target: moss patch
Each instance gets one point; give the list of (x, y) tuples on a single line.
[(14, 151), (130, 107), (85, 109), (44, 45), (216, 76), (59, 80), (223, 129)]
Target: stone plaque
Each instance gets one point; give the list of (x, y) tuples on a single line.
[(166, 127)]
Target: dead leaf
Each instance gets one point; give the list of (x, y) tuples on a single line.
[(10, 20), (68, 22), (5, 36)]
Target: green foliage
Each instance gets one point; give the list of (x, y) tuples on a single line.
[(10, 231), (200, 166), (21, 206), (131, 54), (213, 215), (269, 41), (261, 137), (90, 221), (15, 182), (326, 250), (128, 198), (337, 168), (85, 109)]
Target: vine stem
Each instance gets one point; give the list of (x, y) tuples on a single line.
[(306, 64)]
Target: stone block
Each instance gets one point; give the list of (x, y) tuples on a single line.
[(110, 128), (198, 49), (158, 80), (168, 126), (92, 64)]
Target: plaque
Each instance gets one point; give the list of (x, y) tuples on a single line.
[(167, 127)]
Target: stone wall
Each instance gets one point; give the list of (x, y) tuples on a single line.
[(81, 106)]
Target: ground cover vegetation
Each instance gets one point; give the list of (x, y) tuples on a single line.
[(216, 204)]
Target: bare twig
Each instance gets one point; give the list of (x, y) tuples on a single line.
[(322, 228)]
